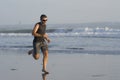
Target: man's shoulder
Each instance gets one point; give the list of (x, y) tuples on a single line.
[(38, 23)]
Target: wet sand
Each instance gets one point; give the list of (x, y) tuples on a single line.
[(61, 66)]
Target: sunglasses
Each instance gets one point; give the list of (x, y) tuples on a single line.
[(44, 20)]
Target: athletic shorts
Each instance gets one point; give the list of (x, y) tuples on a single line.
[(37, 46)]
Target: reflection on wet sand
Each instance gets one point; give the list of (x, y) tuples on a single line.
[(44, 76)]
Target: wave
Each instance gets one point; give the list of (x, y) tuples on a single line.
[(15, 34), (90, 34), (64, 30), (81, 32)]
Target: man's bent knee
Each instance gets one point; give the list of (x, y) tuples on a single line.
[(36, 56)]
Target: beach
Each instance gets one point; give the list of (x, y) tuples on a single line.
[(61, 67), (76, 52)]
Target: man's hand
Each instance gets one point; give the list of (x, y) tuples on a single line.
[(46, 37), (48, 40)]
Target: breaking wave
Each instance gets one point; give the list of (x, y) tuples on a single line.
[(80, 32)]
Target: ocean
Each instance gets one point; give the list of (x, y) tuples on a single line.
[(84, 38)]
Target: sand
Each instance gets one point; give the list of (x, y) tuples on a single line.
[(20, 66)]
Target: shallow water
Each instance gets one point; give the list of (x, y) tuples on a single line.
[(64, 44)]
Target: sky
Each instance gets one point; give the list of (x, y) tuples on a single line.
[(59, 11)]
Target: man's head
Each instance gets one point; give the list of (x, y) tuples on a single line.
[(43, 18)]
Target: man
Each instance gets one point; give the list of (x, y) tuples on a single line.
[(39, 41)]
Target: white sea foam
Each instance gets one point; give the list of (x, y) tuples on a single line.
[(15, 34), (84, 33)]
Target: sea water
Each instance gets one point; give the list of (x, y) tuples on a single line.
[(88, 38)]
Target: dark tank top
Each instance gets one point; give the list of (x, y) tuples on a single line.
[(41, 30)]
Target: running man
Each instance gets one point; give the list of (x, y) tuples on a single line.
[(39, 41)]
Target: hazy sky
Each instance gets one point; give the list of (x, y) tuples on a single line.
[(59, 11)]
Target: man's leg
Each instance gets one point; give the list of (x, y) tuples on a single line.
[(36, 56), (30, 52), (45, 60), (36, 50)]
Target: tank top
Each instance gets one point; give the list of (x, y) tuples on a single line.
[(41, 30)]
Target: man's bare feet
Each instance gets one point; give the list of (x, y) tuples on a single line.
[(46, 72)]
